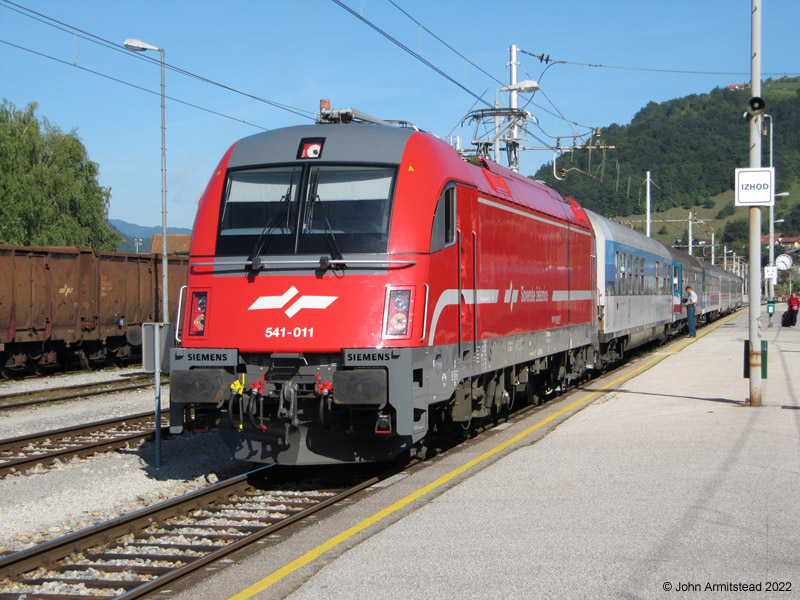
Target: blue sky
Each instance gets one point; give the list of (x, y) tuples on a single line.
[(297, 52)]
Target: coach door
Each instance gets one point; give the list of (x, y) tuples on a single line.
[(676, 288), (466, 233)]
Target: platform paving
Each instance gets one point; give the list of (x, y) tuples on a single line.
[(667, 486)]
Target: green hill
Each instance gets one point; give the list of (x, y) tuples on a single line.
[(691, 146)]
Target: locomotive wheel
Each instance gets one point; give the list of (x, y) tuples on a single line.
[(533, 392), (420, 449)]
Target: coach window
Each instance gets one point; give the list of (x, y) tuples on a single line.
[(657, 289), (616, 272), (630, 273), (641, 276), (444, 220)]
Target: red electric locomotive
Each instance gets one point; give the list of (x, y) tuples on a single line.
[(355, 286)]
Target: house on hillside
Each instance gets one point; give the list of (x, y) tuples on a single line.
[(790, 242), (177, 243), (775, 240)]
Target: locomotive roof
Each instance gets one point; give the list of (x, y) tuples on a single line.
[(371, 143), (352, 142)]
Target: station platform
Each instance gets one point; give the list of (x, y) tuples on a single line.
[(657, 479)]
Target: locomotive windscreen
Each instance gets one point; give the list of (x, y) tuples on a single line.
[(306, 209)]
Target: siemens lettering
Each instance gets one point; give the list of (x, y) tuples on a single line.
[(368, 356), (209, 356)]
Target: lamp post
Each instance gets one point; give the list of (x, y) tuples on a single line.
[(140, 46)]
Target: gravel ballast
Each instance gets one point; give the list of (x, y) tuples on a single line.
[(48, 503)]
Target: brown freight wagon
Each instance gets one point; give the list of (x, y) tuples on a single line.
[(61, 306)]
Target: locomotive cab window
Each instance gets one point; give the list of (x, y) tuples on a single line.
[(444, 221), (260, 200), (308, 209)]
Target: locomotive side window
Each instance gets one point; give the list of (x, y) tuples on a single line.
[(444, 221)]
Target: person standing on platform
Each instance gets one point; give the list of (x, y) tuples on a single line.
[(691, 306), (794, 305)]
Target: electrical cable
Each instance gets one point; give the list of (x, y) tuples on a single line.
[(70, 29), (489, 75), (544, 58), (133, 85), (399, 44)]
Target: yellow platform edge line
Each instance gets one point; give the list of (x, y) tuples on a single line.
[(311, 555)]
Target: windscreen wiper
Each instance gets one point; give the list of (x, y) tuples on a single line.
[(336, 254), (261, 242)]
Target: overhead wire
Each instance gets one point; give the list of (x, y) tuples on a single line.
[(479, 98), (440, 40), (129, 84), (402, 46), (95, 39), (653, 70)]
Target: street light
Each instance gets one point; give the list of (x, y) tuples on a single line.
[(140, 46), (772, 221)]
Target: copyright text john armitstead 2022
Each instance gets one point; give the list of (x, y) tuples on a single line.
[(728, 586)]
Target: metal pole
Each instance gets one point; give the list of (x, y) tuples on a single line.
[(512, 145), (157, 374), (164, 276), (513, 98), (770, 282), (713, 248), (755, 212), (648, 204), (690, 233)]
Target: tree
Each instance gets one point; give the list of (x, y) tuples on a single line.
[(736, 230), (49, 191), (726, 211), (792, 221)]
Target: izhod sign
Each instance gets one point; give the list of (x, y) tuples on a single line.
[(755, 187)]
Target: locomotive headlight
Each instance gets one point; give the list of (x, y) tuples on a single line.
[(397, 313), (197, 313), (400, 300)]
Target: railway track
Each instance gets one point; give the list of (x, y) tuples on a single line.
[(56, 394), (137, 554), (27, 451)]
